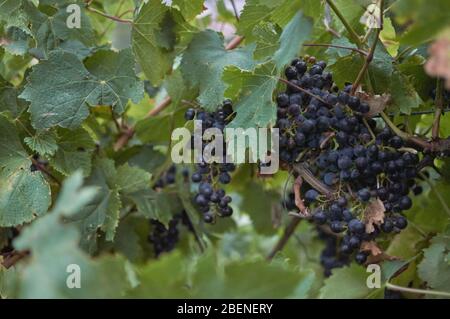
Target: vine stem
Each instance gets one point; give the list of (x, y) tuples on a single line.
[(303, 90), (111, 17), (406, 136), (347, 25), (306, 175), (14, 258), (288, 232), (43, 169), (329, 45), (371, 54), (128, 133), (439, 107), (417, 291)]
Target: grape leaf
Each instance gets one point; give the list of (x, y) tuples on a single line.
[(8, 98), (17, 41), (189, 9), (74, 152), (257, 202), (290, 46), (253, 90), (50, 31), (253, 13), (434, 269), (64, 98), (161, 206), (117, 70), (266, 37), (43, 143), (54, 247), (430, 17), (103, 211), (23, 194), (404, 96), (11, 12), (204, 61), (353, 276), (240, 279), (243, 280), (152, 44), (158, 129), (132, 179)]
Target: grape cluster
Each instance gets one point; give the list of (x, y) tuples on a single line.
[(167, 178), (330, 256), (210, 199), (328, 130), (165, 239)]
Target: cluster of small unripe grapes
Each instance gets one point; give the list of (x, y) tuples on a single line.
[(165, 239), (210, 198), (329, 132)]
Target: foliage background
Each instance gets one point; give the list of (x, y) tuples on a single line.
[(95, 103)]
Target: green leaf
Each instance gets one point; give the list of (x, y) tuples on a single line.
[(258, 203), (73, 195), (12, 153), (434, 269), (11, 12), (103, 211), (405, 245), (266, 37), (164, 278), (8, 98), (204, 61), (23, 194), (50, 31), (253, 91), (54, 247), (346, 283), (243, 280), (43, 143), (153, 41), (74, 152), (404, 96), (252, 14), (189, 9), (429, 17), (290, 46), (109, 84), (132, 179), (161, 206), (158, 129), (115, 71)]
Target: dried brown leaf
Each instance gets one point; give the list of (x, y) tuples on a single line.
[(377, 103), (371, 247), (374, 215)]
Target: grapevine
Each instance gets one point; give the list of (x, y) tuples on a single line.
[(224, 149)]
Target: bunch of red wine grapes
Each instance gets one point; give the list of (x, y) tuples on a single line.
[(211, 199), (164, 239), (328, 131)]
